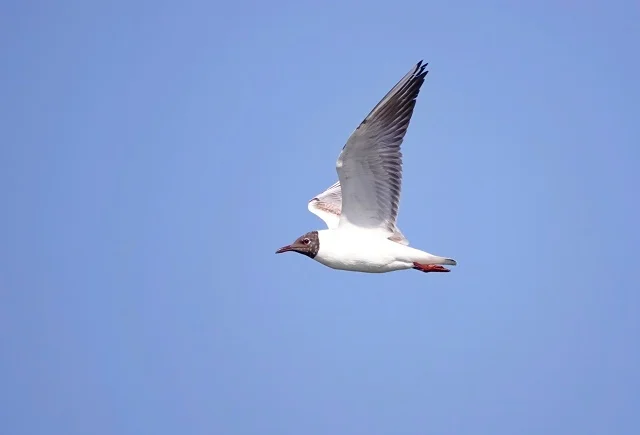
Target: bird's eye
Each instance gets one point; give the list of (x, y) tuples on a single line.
[(306, 241)]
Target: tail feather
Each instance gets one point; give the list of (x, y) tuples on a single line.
[(433, 263), (414, 255), (434, 259)]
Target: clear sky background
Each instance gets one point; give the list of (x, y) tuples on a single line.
[(155, 154)]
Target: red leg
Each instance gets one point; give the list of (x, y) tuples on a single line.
[(430, 268)]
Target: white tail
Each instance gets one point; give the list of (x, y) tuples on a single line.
[(415, 255), (440, 260)]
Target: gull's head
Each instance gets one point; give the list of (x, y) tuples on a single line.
[(307, 244)]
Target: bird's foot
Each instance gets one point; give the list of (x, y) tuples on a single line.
[(430, 268)]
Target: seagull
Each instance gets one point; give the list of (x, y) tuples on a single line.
[(361, 208)]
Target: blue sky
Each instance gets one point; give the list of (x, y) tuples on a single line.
[(155, 155)]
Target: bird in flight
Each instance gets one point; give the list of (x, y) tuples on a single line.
[(361, 209)]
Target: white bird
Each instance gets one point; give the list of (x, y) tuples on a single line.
[(361, 209)]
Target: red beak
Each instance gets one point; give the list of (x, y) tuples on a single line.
[(284, 249)]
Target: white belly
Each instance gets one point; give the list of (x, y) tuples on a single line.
[(361, 253)]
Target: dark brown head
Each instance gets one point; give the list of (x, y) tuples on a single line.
[(307, 244)]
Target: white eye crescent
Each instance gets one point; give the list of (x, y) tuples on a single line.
[(305, 241)]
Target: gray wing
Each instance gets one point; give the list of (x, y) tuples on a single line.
[(370, 164)]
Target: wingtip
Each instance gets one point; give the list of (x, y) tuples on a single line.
[(421, 69)]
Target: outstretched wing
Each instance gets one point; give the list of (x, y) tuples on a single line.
[(327, 205), (370, 164)]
